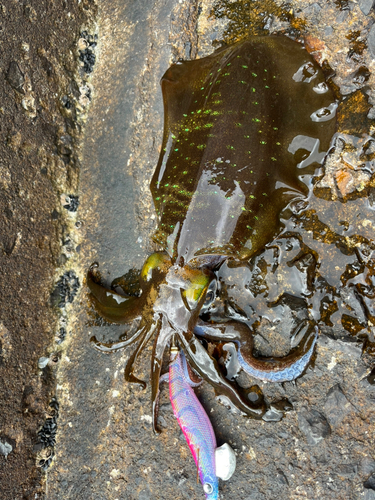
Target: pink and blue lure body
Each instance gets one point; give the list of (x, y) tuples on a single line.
[(194, 423)]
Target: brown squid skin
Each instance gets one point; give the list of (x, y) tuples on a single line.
[(240, 130), (244, 131)]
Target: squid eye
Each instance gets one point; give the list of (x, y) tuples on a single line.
[(157, 260), (208, 488), (197, 286), (211, 293)]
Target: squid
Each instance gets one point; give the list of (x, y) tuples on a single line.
[(244, 130)]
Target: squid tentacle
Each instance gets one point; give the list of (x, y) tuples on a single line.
[(161, 340), (188, 372), (271, 369), (283, 369), (190, 376), (117, 345), (145, 337), (208, 369)]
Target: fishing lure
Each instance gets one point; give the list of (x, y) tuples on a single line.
[(245, 128), (211, 462)]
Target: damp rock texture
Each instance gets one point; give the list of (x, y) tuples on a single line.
[(39, 66), (317, 440)]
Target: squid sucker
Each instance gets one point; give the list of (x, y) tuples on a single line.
[(244, 131)]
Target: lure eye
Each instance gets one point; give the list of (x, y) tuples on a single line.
[(198, 282), (157, 260), (208, 488)]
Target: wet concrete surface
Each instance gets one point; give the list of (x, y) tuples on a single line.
[(105, 448)]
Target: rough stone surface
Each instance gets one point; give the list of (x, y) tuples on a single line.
[(15, 77), (322, 447), (337, 407), (371, 40), (366, 6), (370, 483), (314, 425), (37, 67), (316, 450)]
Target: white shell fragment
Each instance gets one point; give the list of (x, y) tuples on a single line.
[(42, 362), (225, 462)]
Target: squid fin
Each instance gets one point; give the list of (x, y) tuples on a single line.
[(111, 305)]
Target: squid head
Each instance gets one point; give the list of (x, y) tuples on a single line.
[(171, 298)]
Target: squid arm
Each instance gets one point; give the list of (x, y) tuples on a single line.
[(272, 369), (146, 335), (160, 343), (209, 370)]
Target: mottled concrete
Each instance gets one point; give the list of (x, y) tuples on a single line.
[(38, 164)]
